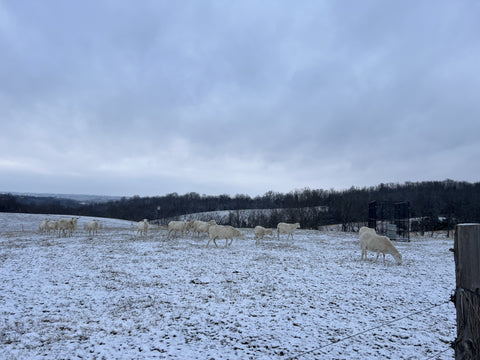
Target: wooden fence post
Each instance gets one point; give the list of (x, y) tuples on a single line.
[(467, 293)]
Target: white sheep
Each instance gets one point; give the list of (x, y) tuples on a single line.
[(52, 225), (174, 226), (379, 244), (202, 227), (285, 228), (365, 229), (196, 224), (73, 226), (43, 226), (260, 232), (223, 232), (189, 226), (67, 226), (92, 227), (142, 227), (362, 230)]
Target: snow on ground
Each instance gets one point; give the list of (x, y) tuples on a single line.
[(119, 296)]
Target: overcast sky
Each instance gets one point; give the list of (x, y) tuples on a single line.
[(236, 97)]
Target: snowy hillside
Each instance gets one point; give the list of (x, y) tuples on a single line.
[(119, 296)]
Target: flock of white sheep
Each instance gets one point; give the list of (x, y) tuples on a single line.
[(369, 240), (215, 231), (66, 226)]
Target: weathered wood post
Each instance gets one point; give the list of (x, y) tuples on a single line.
[(467, 295)]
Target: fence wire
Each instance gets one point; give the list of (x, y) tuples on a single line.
[(439, 353), (296, 356)]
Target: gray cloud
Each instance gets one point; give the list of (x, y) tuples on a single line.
[(216, 97)]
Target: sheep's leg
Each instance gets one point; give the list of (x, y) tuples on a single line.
[(378, 254), (384, 263)]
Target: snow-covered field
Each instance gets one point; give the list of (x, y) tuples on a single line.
[(116, 296)]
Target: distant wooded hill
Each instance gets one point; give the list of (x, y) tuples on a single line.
[(436, 203)]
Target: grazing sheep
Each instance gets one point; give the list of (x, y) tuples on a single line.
[(92, 227), (43, 226), (362, 231), (142, 227), (174, 226), (202, 227), (285, 228), (189, 226), (74, 223), (67, 226), (223, 232), (260, 232), (378, 244), (52, 225), (365, 229)]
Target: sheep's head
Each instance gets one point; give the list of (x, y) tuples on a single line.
[(239, 234), (398, 258)]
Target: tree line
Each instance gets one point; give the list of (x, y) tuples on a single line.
[(435, 205)]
